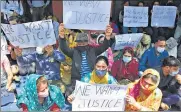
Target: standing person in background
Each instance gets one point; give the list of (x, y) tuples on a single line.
[(11, 8), (37, 8), (121, 16), (83, 56)]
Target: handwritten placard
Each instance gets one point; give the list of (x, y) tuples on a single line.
[(135, 16), (127, 40), (4, 46), (163, 16), (87, 15), (99, 97), (32, 34)]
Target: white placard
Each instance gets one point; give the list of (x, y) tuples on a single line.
[(87, 15), (127, 40), (99, 97), (32, 34), (4, 46), (163, 16), (135, 16)]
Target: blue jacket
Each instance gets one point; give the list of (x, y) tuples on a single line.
[(45, 65), (150, 59)]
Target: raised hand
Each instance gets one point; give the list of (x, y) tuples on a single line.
[(61, 30)]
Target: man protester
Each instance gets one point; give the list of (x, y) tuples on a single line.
[(154, 56), (83, 56), (170, 81)]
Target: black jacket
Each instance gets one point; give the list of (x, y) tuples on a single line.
[(75, 55)]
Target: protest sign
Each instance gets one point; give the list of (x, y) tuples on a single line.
[(127, 40), (87, 15), (98, 97), (135, 16), (163, 16), (32, 34), (4, 46)]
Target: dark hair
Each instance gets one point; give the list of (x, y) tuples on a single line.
[(156, 1), (129, 50), (102, 58), (141, 2), (171, 61), (126, 1), (154, 78), (160, 38)]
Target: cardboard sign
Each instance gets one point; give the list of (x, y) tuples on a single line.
[(87, 15), (163, 16), (99, 97), (127, 40), (32, 34), (135, 16)]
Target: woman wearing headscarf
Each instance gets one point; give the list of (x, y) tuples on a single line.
[(38, 95), (144, 94), (99, 75), (143, 45), (125, 70)]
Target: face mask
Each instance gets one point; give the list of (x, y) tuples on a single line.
[(43, 94), (81, 48), (160, 49), (39, 50), (174, 73), (127, 59), (101, 72)]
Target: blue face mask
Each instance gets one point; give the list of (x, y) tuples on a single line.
[(174, 73), (126, 59), (101, 72)]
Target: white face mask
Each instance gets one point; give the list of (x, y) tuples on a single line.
[(39, 50), (127, 59), (174, 73), (160, 49), (43, 94)]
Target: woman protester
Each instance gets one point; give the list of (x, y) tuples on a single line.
[(38, 95), (144, 94)]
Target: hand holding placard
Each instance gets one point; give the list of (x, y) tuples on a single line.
[(108, 32), (61, 30)]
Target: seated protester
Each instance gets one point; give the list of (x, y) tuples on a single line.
[(144, 44), (154, 56), (65, 74), (99, 75), (47, 61), (144, 94), (179, 53), (177, 34), (11, 8), (108, 53), (121, 16), (83, 56), (125, 70), (172, 47), (38, 95), (7, 96), (168, 72)]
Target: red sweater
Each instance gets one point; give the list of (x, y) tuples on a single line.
[(121, 71)]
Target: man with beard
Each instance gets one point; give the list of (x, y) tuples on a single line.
[(83, 56)]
